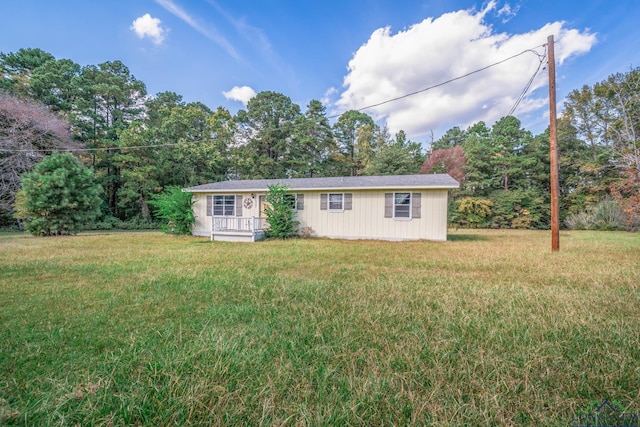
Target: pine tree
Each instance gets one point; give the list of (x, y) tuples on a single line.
[(59, 196)]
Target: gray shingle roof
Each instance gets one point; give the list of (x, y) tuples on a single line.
[(423, 181)]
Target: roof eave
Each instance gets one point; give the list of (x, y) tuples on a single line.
[(337, 189)]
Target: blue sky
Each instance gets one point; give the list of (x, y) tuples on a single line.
[(348, 53)]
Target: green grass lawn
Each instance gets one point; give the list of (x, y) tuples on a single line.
[(490, 328)]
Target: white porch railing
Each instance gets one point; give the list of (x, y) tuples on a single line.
[(236, 223)]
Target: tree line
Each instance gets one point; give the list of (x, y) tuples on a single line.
[(504, 170), (138, 145)]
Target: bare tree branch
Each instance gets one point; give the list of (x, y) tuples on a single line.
[(26, 125)]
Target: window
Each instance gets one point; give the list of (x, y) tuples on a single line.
[(292, 200), (336, 201), (402, 205), (224, 205)]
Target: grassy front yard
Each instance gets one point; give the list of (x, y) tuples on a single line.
[(490, 328)]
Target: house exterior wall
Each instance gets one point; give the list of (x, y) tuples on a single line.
[(202, 223), (365, 220)]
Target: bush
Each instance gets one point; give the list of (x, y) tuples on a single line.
[(280, 213), (473, 212), (578, 221), (306, 232), (113, 223), (138, 223), (175, 208), (606, 215), (107, 223)]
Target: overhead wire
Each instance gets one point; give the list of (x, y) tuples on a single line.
[(446, 82), (541, 59), (532, 50), (63, 150)]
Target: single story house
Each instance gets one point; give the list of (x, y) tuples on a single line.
[(399, 207)]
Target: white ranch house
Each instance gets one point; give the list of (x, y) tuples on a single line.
[(399, 207)]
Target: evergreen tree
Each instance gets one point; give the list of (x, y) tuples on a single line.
[(53, 84), (352, 130), (58, 197), (401, 157), (139, 171), (314, 143), (109, 98), (452, 138), (268, 131), (17, 68)]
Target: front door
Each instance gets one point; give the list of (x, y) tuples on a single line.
[(263, 204)]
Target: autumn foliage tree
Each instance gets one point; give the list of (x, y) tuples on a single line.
[(28, 131), (446, 160)]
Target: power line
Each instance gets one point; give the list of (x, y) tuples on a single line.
[(529, 83), (447, 81), (62, 150)]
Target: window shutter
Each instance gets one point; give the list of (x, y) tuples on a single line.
[(300, 198), (238, 205), (416, 205), (347, 201), (323, 202), (388, 205), (209, 205)]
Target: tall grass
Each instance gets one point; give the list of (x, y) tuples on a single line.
[(490, 328)]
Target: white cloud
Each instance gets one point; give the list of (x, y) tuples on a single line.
[(437, 50), (329, 96), (240, 93), (507, 12), (207, 31), (147, 26), (252, 34)]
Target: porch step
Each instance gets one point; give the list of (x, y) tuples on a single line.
[(237, 236)]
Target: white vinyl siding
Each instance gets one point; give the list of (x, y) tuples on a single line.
[(365, 219)]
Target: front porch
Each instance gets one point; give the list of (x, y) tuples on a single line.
[(237, 229)]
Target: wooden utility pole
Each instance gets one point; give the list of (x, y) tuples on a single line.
[(553, 149)]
